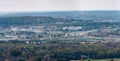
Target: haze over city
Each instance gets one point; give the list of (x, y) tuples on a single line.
[(57, 5)]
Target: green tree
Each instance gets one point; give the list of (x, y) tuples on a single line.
[(15, 53), (37, 59)]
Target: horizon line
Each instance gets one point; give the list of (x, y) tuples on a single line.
[(53, 11)]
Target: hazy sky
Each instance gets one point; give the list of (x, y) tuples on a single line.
[(57, 5)]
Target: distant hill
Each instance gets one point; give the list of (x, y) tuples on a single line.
[(84, 15)]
